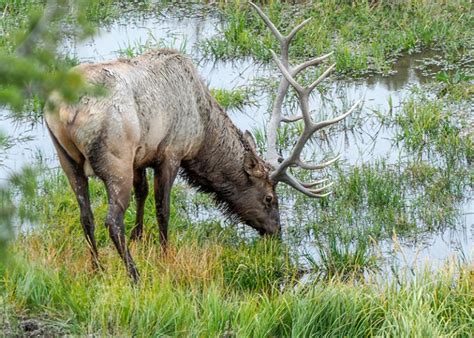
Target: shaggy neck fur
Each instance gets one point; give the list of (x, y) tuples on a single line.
[(218, 167)]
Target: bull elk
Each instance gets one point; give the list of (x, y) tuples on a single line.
[(158, 113)]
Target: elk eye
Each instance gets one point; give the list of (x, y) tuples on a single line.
[(268, 199)]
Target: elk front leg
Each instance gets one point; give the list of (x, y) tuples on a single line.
[(80, 185), (165, 174), (119, 188), (140, 186)]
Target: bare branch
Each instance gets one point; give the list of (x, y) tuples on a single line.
[(51, 10)]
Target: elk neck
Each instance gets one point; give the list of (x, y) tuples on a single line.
[(218, 166)]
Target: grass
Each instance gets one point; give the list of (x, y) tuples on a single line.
[(66, 300), (237, 98), (343, 259), (365, 37), (215, 290), (416, 196), (419, 189), (434, 127), (457, 84)]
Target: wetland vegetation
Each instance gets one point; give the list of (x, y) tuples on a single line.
[(345, 266)]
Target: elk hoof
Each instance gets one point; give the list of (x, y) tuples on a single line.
[(96, 266), (137, 234)]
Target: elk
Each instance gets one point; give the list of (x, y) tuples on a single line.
[(158, 113)]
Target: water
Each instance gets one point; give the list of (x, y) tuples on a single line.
[(366, 142)]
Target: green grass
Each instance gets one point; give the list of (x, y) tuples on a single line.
[(457, 84), (420, 191), (342, 258), (237, 98), (433, 127), (189, 293), (365, 38), (371, 202)]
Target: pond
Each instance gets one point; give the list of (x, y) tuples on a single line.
[(364, 140)]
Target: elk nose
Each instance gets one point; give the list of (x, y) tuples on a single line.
[(272, 233)]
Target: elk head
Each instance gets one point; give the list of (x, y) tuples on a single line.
[(257, 202), (278, 166)]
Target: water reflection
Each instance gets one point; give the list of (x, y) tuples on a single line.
[(405, 71)]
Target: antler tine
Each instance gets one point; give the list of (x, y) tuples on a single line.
[(293, 182), (315, 183), (289, 78), (321, 78), (295, 30), (323, 124), (287, 74), (284, 40), (268, 22), (309, 166), (313, 62), (317, 191), (291, 118), (302, 92), (283, 64)]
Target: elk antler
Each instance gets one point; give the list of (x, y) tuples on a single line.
[(280, 166)]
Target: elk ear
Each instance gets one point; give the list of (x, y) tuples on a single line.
[(251, 165), (250, 140)]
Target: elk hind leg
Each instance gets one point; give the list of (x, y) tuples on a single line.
[(80, 185), (118, 180)]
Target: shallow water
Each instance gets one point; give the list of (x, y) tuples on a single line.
[(365, 142)]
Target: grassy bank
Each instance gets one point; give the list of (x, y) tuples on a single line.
[(366, 36), (215, 288)]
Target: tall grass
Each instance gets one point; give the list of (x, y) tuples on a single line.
[(187, 293)]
